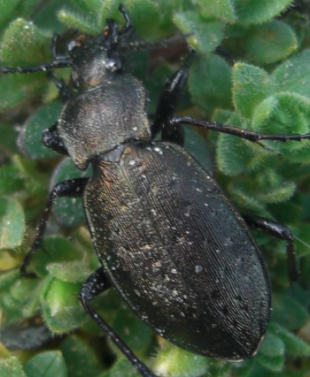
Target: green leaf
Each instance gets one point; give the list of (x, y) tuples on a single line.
[(61, 309), (8, 143), (47, 364), (7, 10), (7, 280), (69, 212), (87, 6), (22, 289), (233, 155), (35, 181), (30, 138), (207, 34), (25, 335), (122, 368), (251, 85), (303, 233), (71, 272), (24, 44), (11, 367), (145, 16), (264, 186), (166, 10), (46, 16), (196, 144), (272, 188), (257, 12), (25, 295), (288, 312), (244, 199), (57, 249), (275, 363), (16, 89), (272, 346), (221, 9), (12, 224), (27, 8), (270, 42), (210, 83), (293, 75), (294, 346), (283, 113), (174, 361), (132, 330), (74, 20), (80, 358), (10, 180), (108, 9)]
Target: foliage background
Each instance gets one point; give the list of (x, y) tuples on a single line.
[(258, 79)]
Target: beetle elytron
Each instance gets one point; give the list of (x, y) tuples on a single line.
[(168, 239)]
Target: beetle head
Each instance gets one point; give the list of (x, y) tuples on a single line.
[(95, 58)]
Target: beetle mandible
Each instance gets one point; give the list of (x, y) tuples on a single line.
[(168, 239)]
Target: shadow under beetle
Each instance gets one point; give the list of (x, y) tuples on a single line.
[(168, 239)]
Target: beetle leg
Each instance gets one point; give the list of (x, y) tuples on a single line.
[(281, 232), (94, 285), (51, 139), (70, 188), (166, 106), (58, 62), (253, 136)]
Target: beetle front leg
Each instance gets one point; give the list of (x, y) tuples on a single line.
[(253, 136), (51, 139), (94, 285), (281, 232), (166, 107), (70, 188)]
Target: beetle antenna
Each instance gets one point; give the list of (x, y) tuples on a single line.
[(57, 63)]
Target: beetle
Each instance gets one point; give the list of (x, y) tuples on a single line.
[(168, 239)]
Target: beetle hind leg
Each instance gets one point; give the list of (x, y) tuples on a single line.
[(254, 137), (94, 285)]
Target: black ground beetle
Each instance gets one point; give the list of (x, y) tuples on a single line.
[(168, 239)]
